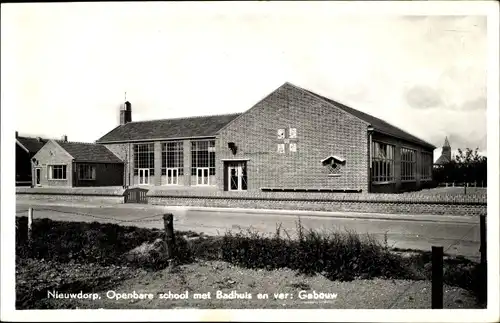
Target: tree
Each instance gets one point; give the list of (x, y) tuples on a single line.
[(470, 167)]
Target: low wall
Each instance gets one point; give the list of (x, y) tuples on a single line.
[(334, 202), (98, 195)]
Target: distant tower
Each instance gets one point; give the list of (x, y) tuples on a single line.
[(445, 157), (125, 112), (446, 149)]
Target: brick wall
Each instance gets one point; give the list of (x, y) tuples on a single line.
[(52, 154), (321, 131), (93, 195), (334, 202), (123, 151)]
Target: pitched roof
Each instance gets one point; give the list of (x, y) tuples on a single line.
[(446, 143), (32, 144), (204, 126), (379, 125), (88, 152), (442, 160)]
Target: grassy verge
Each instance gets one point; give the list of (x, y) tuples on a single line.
[(338, 256)]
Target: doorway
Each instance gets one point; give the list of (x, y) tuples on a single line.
[(202, 176), (172, 176), (38, 175), (143, 176), (236, 176)]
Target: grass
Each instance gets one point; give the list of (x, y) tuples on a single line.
[(337, 256)]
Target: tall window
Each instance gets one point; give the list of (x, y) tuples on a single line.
[(426, 166), (203, 155), (144, 157), (57, 171), (86, 172), (408, 164), (382, 162), (172, 156)]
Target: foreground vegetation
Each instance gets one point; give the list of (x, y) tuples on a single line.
[(94, 256)]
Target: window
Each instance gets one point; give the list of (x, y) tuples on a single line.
[(203, 155), (57, 171), (293, 147), (382, 162), (172, 156), (281, 148), (281, 133), (144, 157), (408, 164), (426, 166), (86, 172), (293, 133)]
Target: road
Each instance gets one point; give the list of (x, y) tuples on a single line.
[(458, 235)]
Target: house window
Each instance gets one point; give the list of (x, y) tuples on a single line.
[(382, 162), (57, 171), (293, 147), (408, 164), (203, 156), (281, 133), (281, 148), (86, 172), (144, 158), (172, 156), (426, 166), (293, 133)]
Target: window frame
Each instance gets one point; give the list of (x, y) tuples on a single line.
[(50, 173), (92, 170), (408, 165), (150, 157), (172, 157), (199, 159), (426, 157), (383, 169)]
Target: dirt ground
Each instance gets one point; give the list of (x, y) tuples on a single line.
[(215, 277)]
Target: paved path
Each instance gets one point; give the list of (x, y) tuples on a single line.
[(458, 235)]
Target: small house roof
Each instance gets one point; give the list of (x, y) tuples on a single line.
[(89, 152)]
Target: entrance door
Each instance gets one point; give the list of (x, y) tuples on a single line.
[(143, 176), (172, 176), (237, 176), (38, 173), (202, 176)]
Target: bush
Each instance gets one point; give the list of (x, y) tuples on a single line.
[(101, 243), (337, 255)]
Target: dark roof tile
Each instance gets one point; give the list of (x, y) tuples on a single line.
[(89, 152), (442, 160), (33, 144), (205, 126)]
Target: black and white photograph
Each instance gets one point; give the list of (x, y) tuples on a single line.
[(200, 156)]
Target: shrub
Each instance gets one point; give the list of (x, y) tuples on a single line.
[(101, 243), (337, 255)]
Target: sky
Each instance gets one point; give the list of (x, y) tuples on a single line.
[(69, 65)]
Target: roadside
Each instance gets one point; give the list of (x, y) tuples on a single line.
[(67, 261), (458, 237), (243, 211), (219, 285)]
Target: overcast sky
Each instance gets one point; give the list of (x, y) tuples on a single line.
[(70, 64)]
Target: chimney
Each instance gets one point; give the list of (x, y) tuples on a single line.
[(65, 138), (39, 139), (125, 113), (17, 134)]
